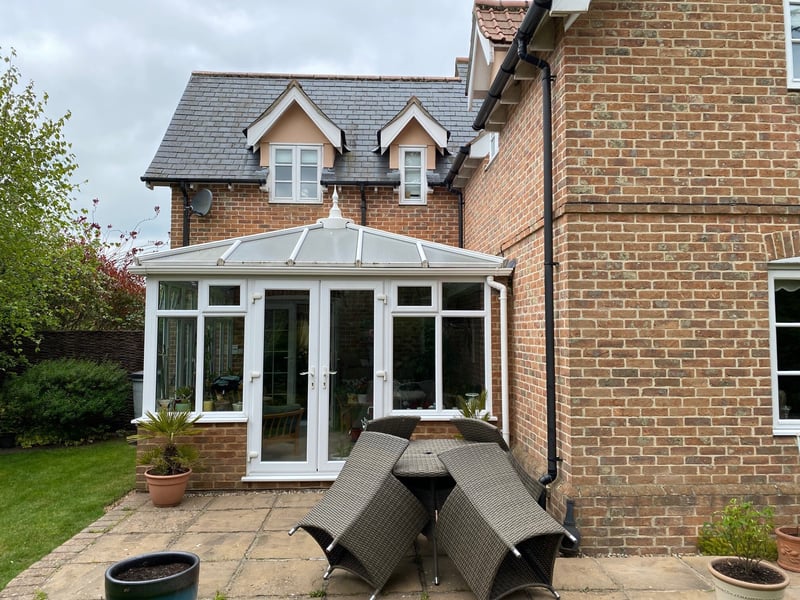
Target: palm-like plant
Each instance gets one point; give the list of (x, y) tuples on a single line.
[(169, 457)]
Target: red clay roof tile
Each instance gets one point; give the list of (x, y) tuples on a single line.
[(499, 20)]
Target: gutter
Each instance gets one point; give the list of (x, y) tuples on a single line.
[(536, 13)]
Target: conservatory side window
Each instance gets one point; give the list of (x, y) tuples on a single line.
[(439, 347), (200, 346)]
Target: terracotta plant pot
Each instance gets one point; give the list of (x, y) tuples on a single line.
[(167, 490), (788, 539), (728, 588), (181, 585)]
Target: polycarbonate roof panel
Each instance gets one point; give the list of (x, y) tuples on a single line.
[(328, 246), (334, 242)]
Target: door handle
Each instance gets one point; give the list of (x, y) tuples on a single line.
[(325, 373), (311, 377)]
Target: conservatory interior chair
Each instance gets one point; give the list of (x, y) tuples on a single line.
[(496, 534), (367, 520)]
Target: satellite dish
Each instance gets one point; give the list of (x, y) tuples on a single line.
[(201, 203)]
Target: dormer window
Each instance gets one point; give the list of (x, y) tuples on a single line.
[(413, 183), (295, 173)]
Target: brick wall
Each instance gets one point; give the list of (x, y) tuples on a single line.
[(245, 210), (676, 180)]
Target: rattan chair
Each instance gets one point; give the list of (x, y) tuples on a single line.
[(495, 533), (476, 430), (400, 425), (367, 520)]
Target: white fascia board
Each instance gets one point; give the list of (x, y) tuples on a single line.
[(479, 147), (436, 132), (562, 8), (329, 129)]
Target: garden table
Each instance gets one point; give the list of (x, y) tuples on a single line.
[(426, 476)]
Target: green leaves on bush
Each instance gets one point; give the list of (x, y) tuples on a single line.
[(65, 401), (740, 530)]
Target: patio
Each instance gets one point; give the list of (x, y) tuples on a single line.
[(246, 553)]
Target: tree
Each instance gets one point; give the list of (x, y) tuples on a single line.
[(36, 166)]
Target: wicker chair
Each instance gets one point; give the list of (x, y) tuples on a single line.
[(498, 537), (476, 430), (367, 520), (400, 425)]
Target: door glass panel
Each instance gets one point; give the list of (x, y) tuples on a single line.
[(351, 358), (285, 376), (414, 363)]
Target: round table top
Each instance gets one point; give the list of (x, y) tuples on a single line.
[(421, 457)]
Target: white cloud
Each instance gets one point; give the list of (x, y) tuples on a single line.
[(120, 67)]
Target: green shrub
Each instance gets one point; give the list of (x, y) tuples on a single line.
[(66, 401), (740, 530)]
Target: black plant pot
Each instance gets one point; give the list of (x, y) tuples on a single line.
[(180, 586)]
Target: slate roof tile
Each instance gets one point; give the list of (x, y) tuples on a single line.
[(205, 138)]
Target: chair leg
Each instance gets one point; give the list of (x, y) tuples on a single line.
[(327, 573), (375, 594)]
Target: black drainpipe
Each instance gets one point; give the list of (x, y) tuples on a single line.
[(549, 264), (362, 188)]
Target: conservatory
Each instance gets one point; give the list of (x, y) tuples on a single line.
[(303, 334)]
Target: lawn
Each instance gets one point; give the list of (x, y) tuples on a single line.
[(48, 495)]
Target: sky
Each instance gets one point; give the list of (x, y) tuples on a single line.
[(120, 68)]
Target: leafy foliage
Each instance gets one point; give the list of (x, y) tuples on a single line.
[(35, 190), (169, 457), (474, 407), (65, 401), (740, 530)]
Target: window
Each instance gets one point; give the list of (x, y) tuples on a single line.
[(439, 345), (295, 173), (200, 346), (785, 351), (494, 144), (792, 19), (413, 183)]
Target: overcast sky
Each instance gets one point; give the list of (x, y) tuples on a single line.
[(120, 67)]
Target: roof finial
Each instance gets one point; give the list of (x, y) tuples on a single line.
[(335, 213), (335, 219)]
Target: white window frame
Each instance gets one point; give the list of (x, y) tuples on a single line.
[(438, 313), (423, 184), (494, 145), (780, 426), (198, 314), (792, 45), (296, 150)]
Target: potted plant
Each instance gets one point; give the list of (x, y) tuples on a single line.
[(788, 539), (742, 537), (170, 463), (184, 398), (170, 575)]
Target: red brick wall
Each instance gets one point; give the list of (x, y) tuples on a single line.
[(676, 180), (245, 210)]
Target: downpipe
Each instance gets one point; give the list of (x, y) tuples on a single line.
[(503, 301)]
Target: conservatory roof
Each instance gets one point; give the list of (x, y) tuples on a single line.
[(333, 245)]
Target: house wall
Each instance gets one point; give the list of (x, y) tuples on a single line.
[(675, 178), (246, 210)]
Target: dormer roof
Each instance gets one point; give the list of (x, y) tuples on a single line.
[(413, 111), (294, 94)]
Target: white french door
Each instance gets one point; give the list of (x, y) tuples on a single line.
[(320, 345)]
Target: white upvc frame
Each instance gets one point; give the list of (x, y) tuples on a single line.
[(404, 172), (439, 413), (780, 426), (153, 314), (297, 180), (792, 35)]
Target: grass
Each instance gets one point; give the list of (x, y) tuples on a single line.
[(48, 495)]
